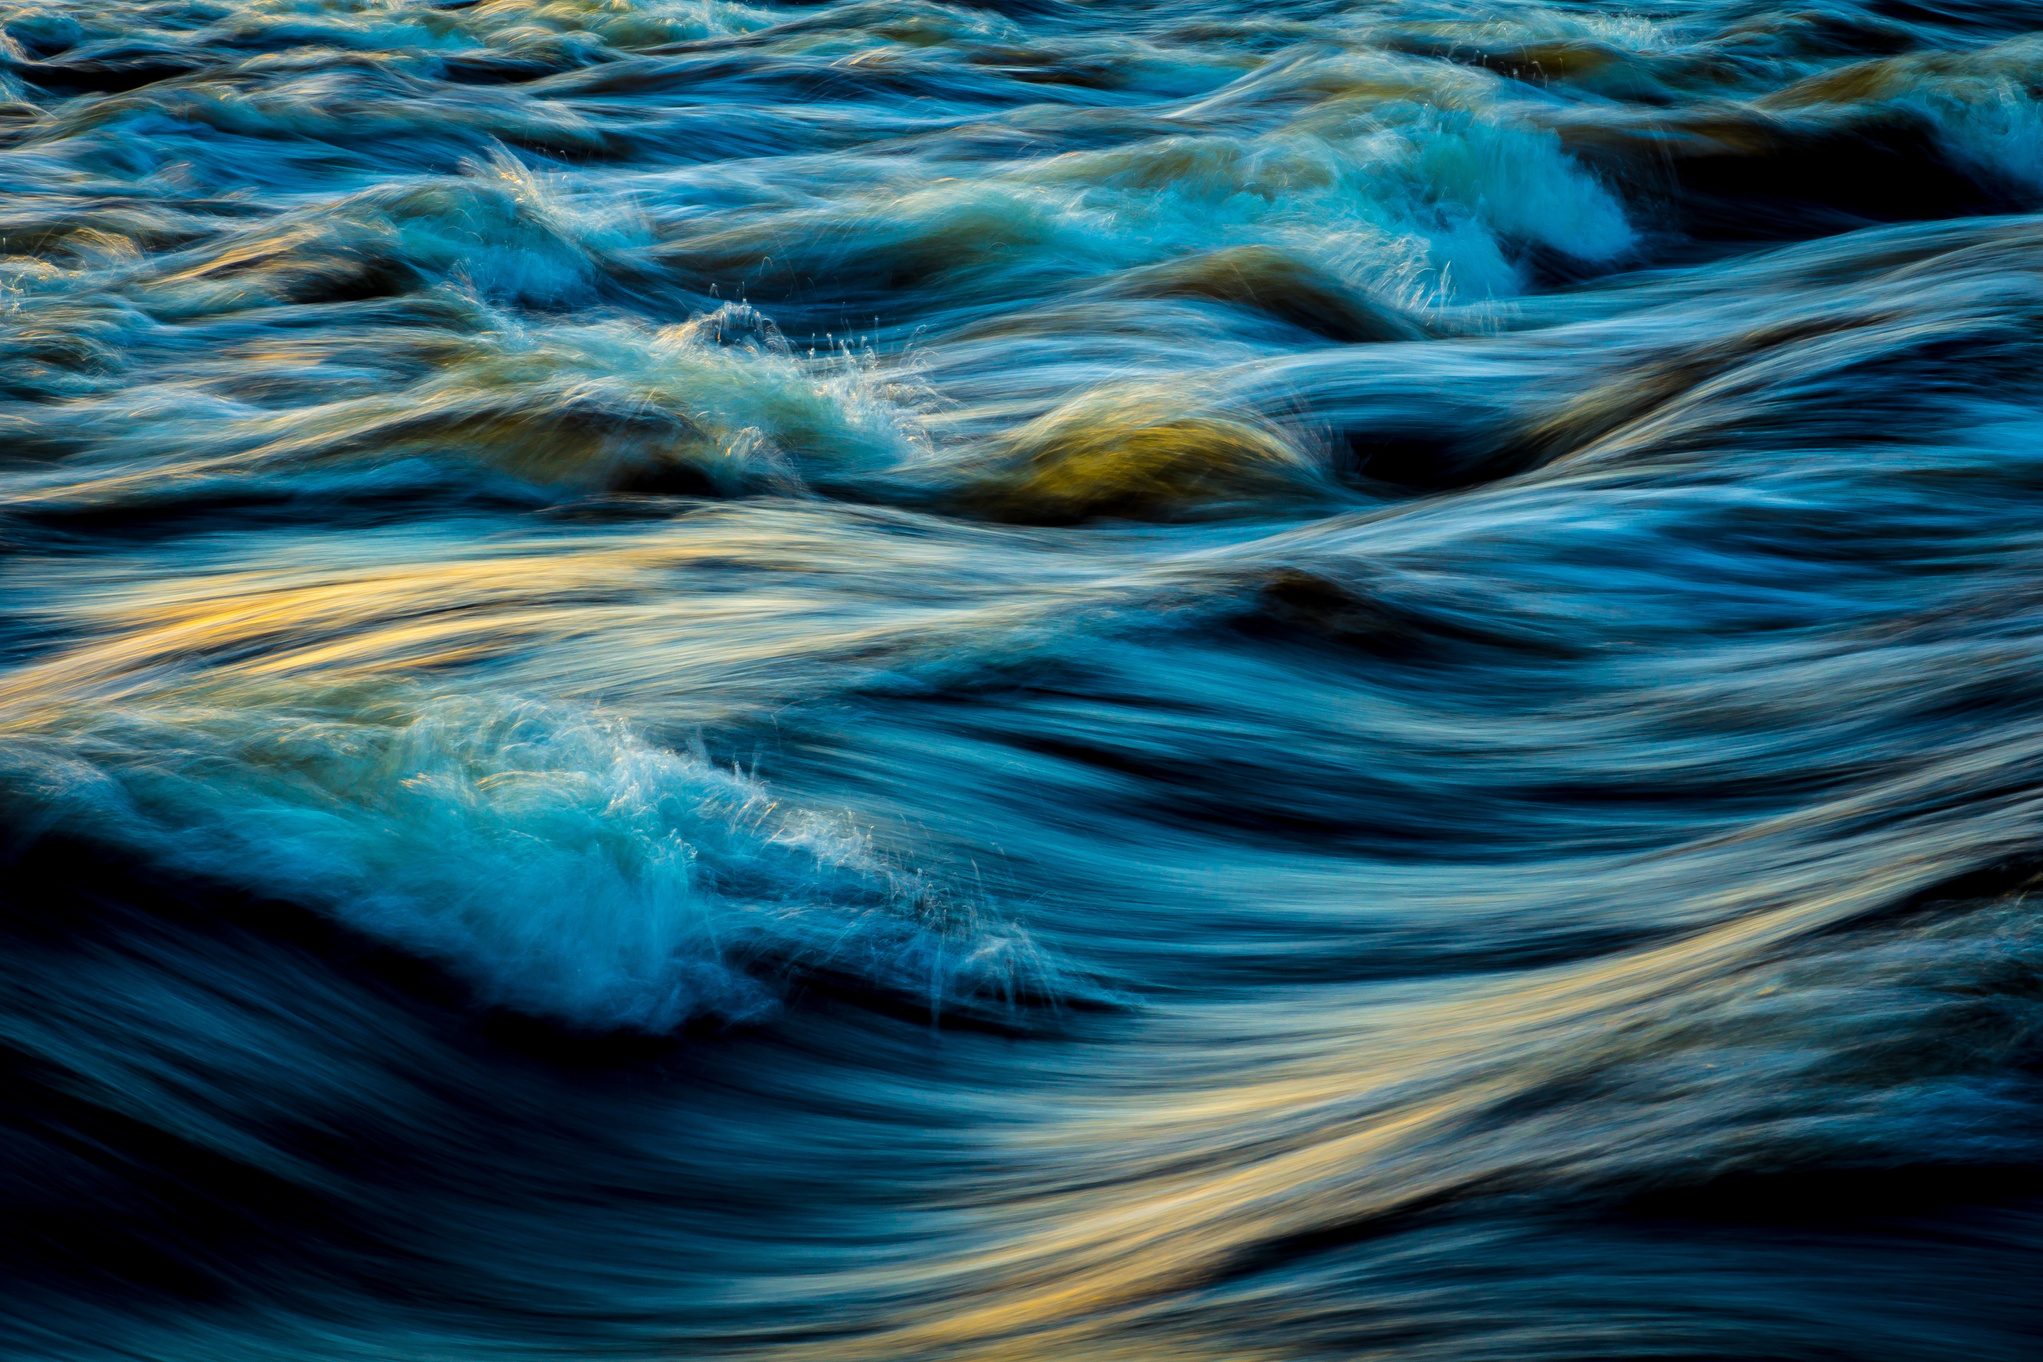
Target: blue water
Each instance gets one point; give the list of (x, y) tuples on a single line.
[(1069, 681)]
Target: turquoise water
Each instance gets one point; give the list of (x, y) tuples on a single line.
[(1020, 681)]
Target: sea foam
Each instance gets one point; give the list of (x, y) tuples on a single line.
[(553, 859)]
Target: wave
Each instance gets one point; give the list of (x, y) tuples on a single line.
[(558, 863), (1019, 679)]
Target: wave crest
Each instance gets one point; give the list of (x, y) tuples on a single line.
[(550, 857)]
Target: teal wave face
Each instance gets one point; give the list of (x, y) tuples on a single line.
[(1020, 681)]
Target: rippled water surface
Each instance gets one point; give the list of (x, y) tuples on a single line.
[(1026, 680)]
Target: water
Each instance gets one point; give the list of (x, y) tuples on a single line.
[(1021, 681)]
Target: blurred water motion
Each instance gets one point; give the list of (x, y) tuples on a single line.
[(1027, 680)]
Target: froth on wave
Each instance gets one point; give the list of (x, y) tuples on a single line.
[(548, 856)]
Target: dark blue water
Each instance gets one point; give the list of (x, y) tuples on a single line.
[(1085, 682)]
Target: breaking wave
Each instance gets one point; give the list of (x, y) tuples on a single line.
[(1020, 680)]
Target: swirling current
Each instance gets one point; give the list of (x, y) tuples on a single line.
[(1021, 680)]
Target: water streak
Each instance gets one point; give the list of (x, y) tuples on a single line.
[(1021, 680)]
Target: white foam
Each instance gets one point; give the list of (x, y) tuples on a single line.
[(550, 857), (1421, 184)]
